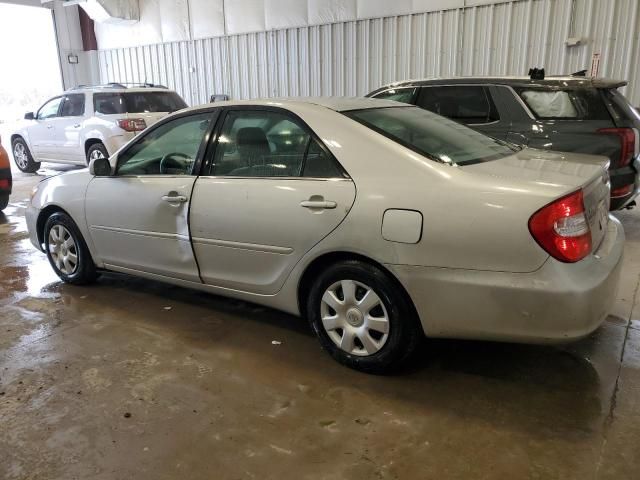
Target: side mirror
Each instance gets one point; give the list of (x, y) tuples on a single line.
[(29, 116), (100, 167)]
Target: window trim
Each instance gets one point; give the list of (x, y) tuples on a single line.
[(214, 113), (487, 95), (64, 98), (58, 111), (205, 168)]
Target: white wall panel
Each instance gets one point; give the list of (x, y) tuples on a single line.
[(174, 20), (354, 57), (331, 11), (243, 16), (207, 18), (382, 8), (285, 14)]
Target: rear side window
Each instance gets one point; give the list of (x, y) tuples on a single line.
[(580, 104), (137, 102), (72, 105), (404, 95), (269, 144), (466, 104)]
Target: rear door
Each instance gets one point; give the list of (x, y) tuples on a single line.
[(471, 105), (68, 125), (269, 193)]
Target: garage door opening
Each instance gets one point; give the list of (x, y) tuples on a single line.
[(29, 59)]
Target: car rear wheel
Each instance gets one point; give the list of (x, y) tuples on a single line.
[(97, 150), (4, 200), (67, 251), (22, 156), (362, 317)]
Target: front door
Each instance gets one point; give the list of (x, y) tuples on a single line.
[(271, 192), (42, 131), (138, 218)]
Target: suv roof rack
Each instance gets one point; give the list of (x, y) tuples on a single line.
[(121, 85)]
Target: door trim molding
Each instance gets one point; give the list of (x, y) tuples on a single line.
[(243, 246)]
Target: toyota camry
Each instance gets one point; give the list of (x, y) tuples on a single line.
[(379, 222)]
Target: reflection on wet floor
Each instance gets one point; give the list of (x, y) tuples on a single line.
[(135, 379)]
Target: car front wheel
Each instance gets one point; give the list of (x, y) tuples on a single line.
[(67, 251), (22, 156), (362, 317)]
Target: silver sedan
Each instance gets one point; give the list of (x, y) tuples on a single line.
[(378, 222)]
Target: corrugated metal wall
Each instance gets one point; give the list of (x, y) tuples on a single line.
[(353, 58)]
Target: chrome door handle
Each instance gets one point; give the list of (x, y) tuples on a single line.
[(318, 204), (174, 198)]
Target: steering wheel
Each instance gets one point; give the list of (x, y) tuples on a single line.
[(173, 161)]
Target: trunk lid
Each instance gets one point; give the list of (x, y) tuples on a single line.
[(565, 173)]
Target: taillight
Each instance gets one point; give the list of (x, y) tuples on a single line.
[(627, 143), (622, 191), (561, 228), (132, 124), (4, 184)]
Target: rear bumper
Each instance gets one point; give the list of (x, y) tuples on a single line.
[(558, 302), (623, 177)]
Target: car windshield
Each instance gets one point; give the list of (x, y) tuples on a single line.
[(137, 102), (433, 136)]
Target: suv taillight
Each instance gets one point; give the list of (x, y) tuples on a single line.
[(627, 143), (561, 228), (132, 124)]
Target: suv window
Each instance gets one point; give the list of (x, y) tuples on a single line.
[(49, 109), (137, 102), (432, 136), (72, 105), (269, 144), (463, 103), (169, 149), (580, 104), (404, 95)]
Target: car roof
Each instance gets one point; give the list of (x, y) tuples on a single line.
[(338, 104), (549, 82), (115, 89)]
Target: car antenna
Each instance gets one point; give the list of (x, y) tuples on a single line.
[(536, 73)]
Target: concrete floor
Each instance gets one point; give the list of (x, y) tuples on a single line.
[(131, 379)]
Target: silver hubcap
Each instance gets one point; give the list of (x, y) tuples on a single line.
[(63, 250), (354, 317), (95, 154), (20, 155)]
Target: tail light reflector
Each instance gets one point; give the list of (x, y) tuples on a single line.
[(627, 144), (132, 124), (561, 228), (4, 184)]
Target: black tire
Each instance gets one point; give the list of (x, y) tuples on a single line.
[(96, 148), (404, 330), (85, 270), (22, 156), (4, 201)]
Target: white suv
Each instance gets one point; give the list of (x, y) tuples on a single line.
[(89, 122)]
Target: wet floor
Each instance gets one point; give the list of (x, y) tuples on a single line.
[(131, 379)]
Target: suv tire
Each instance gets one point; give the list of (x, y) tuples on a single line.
[(22, 156), (97, 150)]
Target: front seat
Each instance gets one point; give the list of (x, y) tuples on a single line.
[(253, 147)]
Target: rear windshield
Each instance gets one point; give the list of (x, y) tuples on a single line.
[(137, 102), (433, 136), (578, 104)]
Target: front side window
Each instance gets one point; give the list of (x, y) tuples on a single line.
[(579, 104), (72, 105), (431, 135), (170, 149), (465, 103), (269, 144), (49, 109), (404, 95)]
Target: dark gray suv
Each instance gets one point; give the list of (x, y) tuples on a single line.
[(571, 114)]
